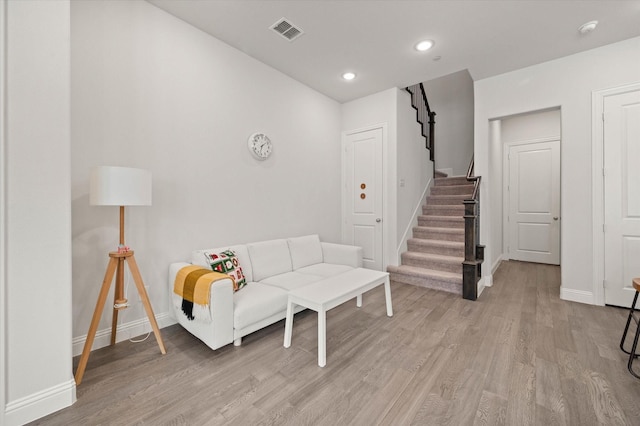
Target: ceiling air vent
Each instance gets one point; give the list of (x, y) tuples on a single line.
[(286, 29)]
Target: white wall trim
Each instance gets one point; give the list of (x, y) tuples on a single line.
[(579, 296), (496, 264), (486, 281), (124, 332), (3, 195), (413, 222), (40, 404), (597, 178)]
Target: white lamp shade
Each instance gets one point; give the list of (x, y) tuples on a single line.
[(120, 186)]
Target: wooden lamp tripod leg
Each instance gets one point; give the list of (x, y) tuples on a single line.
[(97, 313), (137, 278), (118, 296)]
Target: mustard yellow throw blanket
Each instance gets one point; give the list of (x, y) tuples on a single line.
[(193, 284)]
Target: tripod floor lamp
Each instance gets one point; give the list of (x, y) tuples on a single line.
[(118, 186)]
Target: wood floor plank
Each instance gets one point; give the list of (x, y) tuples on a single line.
[(492, 410), (518, 355)]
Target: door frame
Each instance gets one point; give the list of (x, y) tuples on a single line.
[(385, 192), (597, 182), (506, 238)]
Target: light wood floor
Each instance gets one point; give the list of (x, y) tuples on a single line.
[(517, 356)]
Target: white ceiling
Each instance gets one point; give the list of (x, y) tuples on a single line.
[(375, 39)]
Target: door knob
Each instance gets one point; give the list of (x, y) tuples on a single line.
[(378, 220), (555, 218)]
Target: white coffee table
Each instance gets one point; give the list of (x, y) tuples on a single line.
[(329, 293)]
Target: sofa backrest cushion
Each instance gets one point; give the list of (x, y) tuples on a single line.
[(305, 251), (269, 258), (199, 257)]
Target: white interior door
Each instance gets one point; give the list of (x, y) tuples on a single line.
[(621, 196), (534, 202), (363, 195)]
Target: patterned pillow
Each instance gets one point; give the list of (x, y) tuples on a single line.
[(226, 262)]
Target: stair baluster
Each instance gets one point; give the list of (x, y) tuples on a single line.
[(473, 251)]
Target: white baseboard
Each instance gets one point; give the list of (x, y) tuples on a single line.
[(579, 296), (40, 404), (484, 282), (124, 332), (496, 264)]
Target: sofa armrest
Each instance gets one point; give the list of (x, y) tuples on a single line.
[(342, 254), (220, 331)]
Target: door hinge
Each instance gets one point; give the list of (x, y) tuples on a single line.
[(604, 228), (604, 283), (603, 116), (604, 173)]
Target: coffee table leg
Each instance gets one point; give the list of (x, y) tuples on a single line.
[(387, 296), (322, 337), (288, 325)]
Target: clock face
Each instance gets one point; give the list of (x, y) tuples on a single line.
[(260, 146)]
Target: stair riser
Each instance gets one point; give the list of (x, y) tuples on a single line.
[(427, 283), (441, 223), (458, 180), (436, 265), (445, 251), (455, 200), (452, 190), (457, 211), (436, 235)]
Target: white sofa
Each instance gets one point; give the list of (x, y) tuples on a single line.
[(272, 268)]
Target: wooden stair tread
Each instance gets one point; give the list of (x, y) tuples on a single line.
[(437, 243), (425, 273), (433, 256), (440, 229), (441, 217), (451, 180)]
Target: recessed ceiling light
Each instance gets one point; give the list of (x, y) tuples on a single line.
[(424, 45), (349, 75), (587, 27)]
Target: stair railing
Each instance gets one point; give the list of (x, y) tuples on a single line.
[(425, 117), (473, 251)]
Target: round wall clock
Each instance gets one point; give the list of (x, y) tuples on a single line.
[(260, 146)]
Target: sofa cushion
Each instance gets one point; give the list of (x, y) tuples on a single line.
[(324, 269), (199, 257), (256, 302), (269, 258), (290, 280), (226, 262), (305, 251)]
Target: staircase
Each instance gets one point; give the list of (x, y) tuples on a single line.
[(436, 251)]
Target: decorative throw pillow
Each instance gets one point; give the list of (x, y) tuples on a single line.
[(226, 262)]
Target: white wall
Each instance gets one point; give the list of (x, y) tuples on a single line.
[(451, 97), (405, 160), (497, 194), (566, 83), (150, 91), (415, 171), (36, 229), (374, 111), (531, 126)]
